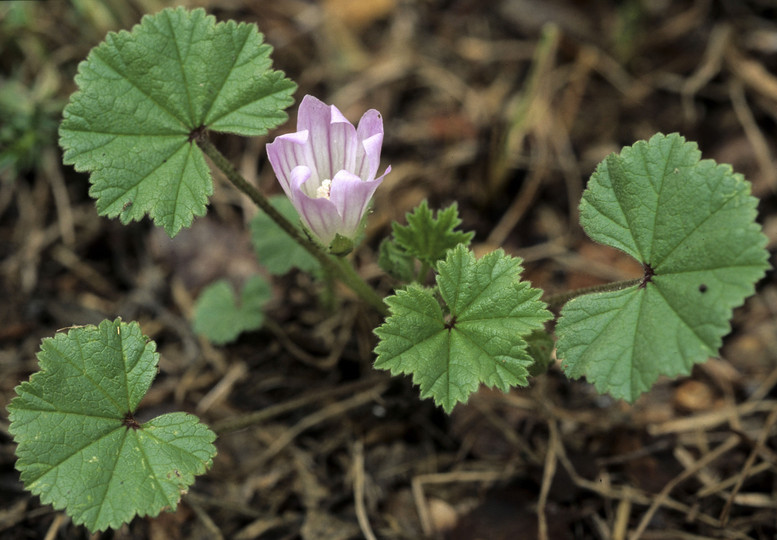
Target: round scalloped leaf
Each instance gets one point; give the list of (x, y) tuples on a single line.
[(692, 225), (217, 315), (145, 95), (79, 446), (479, 340)]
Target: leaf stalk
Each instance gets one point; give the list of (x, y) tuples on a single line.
[(556, 301), (336, 266)]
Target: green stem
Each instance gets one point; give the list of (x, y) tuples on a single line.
[(334, 265), (347, 274), (557, 300), (328, 294), (421, 278)]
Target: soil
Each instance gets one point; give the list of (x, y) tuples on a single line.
[(502, 106)]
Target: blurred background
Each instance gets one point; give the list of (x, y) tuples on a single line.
[(503, 106)]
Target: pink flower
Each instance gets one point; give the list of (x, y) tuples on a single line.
[(327, 168)]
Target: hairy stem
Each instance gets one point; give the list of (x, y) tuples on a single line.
[(336, 266), (556, 301)]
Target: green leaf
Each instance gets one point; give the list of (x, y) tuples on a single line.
[(218, 318), (540, 347), (275, 249), (479, 337), (145, 95), (427, 237), (395, 261), (692, 225), (79, 446)]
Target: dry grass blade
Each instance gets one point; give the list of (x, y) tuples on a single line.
[(759, 445), (659, 500), (327, 413), (257, 417), (422, 480), (358, 491), (547, 477)]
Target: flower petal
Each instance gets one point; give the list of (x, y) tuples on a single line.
[(286, 152), (343, 144), (332, 137), (351, 196), (319, 215), (370, 136), (371, 148), (309, 108), (371, 123)]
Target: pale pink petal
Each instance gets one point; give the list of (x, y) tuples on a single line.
[(351, 195), (371, 123), (343, 144), (370, 136), (300, 179), (371, 161), (319, 215), (282, 153), (310, 107), (316, 117)]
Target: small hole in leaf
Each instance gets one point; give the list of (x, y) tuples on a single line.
[(702, 288)]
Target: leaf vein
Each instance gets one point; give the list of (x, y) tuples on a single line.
[(134, 85)]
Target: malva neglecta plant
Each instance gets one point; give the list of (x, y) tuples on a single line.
[(139, 124)]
